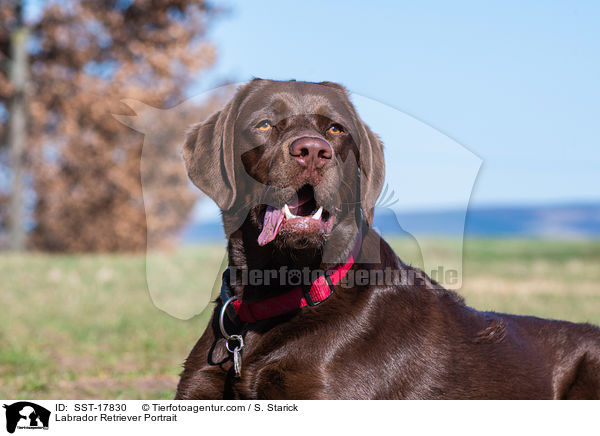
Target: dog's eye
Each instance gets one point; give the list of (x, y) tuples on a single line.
[(264, 126), (335, 129)]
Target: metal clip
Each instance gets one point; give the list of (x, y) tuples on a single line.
[(237, 349), (237, 353)]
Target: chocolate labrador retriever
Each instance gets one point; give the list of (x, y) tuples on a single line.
[(314, 305)]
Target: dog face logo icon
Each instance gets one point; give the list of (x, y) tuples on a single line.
[(26, 415)]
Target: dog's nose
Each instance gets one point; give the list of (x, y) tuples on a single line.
[(311, 152)]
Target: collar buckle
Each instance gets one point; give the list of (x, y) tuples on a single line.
[(308, 298), (306, 291)]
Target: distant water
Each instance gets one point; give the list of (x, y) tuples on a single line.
[(563, 221), (579, 221)]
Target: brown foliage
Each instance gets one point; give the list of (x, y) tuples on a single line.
[(85, 165)]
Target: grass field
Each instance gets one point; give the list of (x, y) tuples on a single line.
[(85, 327)]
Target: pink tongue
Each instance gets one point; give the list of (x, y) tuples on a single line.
[(271, 225)]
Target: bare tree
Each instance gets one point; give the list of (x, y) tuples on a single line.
[(84, 166), (16, 70)]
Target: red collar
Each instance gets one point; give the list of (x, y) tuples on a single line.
[(293, 300), (319, 291)]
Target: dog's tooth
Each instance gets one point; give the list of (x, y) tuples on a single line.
[(317, 215), (288, 215)]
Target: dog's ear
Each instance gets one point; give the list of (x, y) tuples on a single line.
[(208, 153), (371, 163), (372, 170), (208, 158)]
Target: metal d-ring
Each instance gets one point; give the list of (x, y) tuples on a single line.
[(239, 339), (222, 317), (238, 347)]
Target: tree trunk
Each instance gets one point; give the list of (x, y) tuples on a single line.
[(18, 133)]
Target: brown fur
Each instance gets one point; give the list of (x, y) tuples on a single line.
[(414, 340)]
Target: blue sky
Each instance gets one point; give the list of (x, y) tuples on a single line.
[(516, 83)]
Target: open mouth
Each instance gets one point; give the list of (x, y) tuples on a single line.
[(301, 214)]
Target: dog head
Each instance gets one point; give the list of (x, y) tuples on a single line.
[(292, 159)]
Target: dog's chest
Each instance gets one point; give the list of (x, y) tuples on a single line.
[(296, 369), (280, 380)]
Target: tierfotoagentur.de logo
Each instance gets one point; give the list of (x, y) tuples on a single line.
[(25, 415)]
